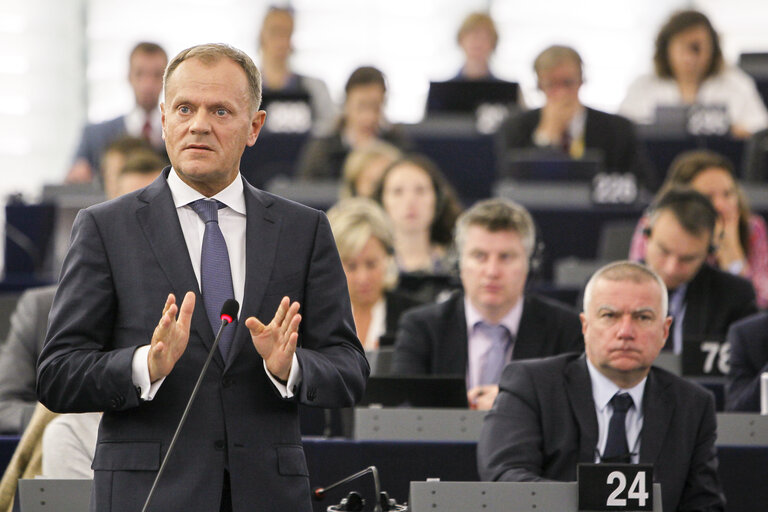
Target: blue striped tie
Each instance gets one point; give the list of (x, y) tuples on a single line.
[(215, 274)]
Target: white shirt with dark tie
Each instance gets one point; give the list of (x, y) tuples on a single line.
[(232, 221)]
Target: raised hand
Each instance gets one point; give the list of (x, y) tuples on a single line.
[(276, 341), (170, 337)]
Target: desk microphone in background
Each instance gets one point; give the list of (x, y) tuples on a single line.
[(228, 314), (353, 502)]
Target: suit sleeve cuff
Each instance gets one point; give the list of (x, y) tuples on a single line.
[(288, 388), (140, 375)]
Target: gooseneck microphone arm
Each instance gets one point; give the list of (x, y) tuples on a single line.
[(319, 493), (228, 314)]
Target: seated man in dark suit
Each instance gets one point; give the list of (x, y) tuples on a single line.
[(475, 333), (703, 300), (565, 125), (749, 359), (552, 414)]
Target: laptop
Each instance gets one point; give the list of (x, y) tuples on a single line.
[(464, 97), (439, 391)]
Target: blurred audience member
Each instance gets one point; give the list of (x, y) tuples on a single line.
[(26, 461), (19, 353), (364, 166), (475, 333), (741, 239), (477, 38), (423, 209), (748, 360), (565, 125), (690, 69), (69, 443), (275, 49), (140, 169), (703, 300), (18, 358), (364, 238), (113, 160), (146, 67), (362, 121)]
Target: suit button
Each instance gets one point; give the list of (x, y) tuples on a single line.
[(219, 445), (311, 394), (226, 382)]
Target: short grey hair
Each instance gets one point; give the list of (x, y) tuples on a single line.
[(626, 271), (495, 215), (212, 53)]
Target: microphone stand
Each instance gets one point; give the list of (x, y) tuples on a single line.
[(224, 322), (320, 492)]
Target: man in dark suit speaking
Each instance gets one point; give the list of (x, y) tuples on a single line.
[(609, 404), (120, 341), (475, 333)]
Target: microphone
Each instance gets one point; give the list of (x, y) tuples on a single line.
[(228, 314)]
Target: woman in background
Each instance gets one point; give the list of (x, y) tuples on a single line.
[(275, 50), (362, 121), (364, 239), (364, 166), (741, 243), (423, 209), (689, 68)]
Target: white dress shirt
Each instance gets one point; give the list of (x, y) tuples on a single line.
[(232, 221), (378, 325), (603, 390), (479, 343)]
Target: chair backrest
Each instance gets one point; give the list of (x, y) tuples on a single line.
[(614, 239)]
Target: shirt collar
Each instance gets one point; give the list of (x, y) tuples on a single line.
[(137, 116), (603, 389), (183, 194), (511, 320)]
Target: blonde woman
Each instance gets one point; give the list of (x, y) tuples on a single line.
[(364, 239)]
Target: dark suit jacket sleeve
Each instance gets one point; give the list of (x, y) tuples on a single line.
[(80, 333), (743, 389), (19, 357), (510, 446), (333, 364), (702, 491), (413, 345)]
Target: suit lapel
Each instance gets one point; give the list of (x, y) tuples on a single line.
[(457, 323), (261, 237), (160, 223), (529, 332), (579, 390), (658, 407), (696, 313)]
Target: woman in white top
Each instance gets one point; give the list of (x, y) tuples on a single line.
[(689, 69)]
